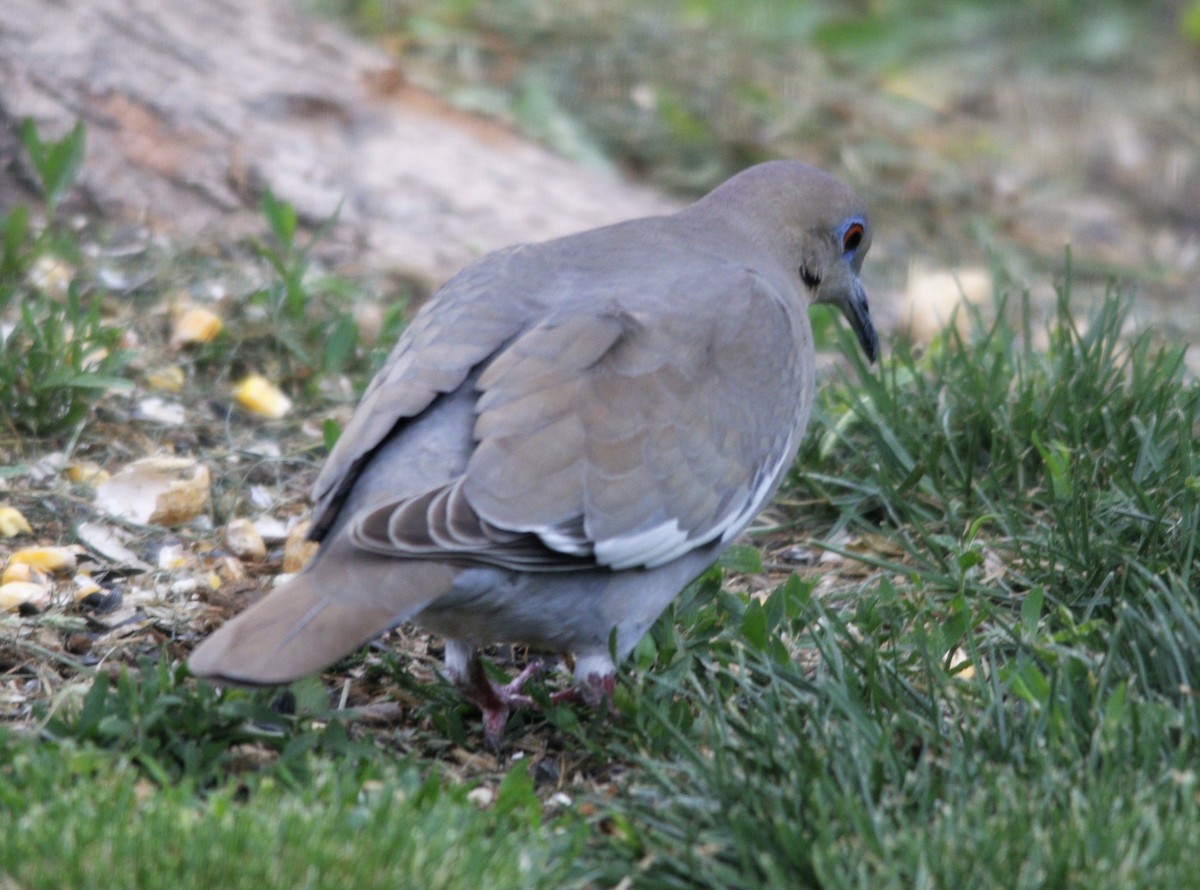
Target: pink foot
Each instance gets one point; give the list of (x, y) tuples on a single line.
[(496, 701)]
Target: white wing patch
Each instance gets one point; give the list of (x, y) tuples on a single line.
[(652, 547), (563, 542), (667, 541)]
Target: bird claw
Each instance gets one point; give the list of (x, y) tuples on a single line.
[(496, 701)]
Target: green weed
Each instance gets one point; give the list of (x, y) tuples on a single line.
[(57, 353), (172, 729), (299, 325)]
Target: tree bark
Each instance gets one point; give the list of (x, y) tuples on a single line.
[(193, 108)]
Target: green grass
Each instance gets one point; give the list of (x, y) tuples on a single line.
[(299, 323), (75, 817), (1007, 704), (65, 341)]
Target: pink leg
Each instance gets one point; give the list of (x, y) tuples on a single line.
[(592, 691), (595, 678)]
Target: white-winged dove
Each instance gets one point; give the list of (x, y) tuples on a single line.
[(565, 435)]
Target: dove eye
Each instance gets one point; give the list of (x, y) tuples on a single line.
[(852, 238)]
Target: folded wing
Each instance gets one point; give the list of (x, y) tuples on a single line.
[(618, 437)]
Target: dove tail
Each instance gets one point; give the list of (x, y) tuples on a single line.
[(324, 613)]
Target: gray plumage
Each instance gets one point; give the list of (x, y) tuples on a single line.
[(566, 435)]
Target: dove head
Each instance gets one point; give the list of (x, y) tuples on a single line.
[(813, 225)]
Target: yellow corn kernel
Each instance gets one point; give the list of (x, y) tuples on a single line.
[(168, 379), (195, 324), (13, 523), (20, 571), (48, 559), (87, 473), (261, 396), (85, 586)]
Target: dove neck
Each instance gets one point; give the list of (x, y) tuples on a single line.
[(737, 236)]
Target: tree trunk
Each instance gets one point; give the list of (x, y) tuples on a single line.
[(193, 108)]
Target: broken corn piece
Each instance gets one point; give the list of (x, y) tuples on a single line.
[(243, 539), (298, 549)]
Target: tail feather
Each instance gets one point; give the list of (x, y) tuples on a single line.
[(340, 603), (292, 633)]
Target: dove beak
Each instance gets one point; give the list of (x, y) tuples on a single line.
[(858, 313)]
